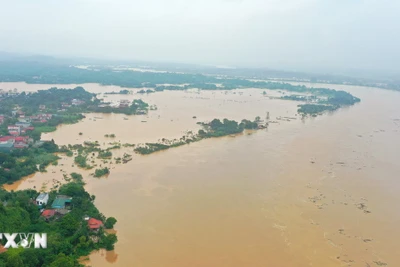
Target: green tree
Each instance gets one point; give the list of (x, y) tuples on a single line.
[(110, 222), (69, 224), (109, 241), (62, 261), (35, 135), (13, 258)]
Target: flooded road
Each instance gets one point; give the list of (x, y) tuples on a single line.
[(319, 192)]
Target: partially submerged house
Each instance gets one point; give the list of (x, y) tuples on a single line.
[(61, 202)]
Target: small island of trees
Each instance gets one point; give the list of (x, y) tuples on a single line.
[(101, 172), (215, 128)]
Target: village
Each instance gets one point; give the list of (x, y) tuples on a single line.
[(20, 126), (20, 122), (18, 133), (59, 208)]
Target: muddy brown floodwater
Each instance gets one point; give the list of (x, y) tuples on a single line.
[(318, 192)]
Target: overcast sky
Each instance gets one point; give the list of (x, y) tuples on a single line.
[(294, 34)]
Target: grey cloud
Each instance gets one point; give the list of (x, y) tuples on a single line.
[(296, 34)]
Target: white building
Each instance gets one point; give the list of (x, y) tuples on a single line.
[(42, 199), (14, 129)]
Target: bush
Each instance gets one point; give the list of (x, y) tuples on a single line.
[(109, 224), (101, 172)]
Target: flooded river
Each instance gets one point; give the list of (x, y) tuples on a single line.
[(314, 192)]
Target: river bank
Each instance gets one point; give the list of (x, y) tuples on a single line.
[(294, 195)]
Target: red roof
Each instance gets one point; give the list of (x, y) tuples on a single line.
[(48, 213), (6, 138), (21, 138), (94, 223), (13, 132)]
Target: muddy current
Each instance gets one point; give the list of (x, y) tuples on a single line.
[(315, 192)]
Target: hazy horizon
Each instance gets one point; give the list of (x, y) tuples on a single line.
[(303, 35)]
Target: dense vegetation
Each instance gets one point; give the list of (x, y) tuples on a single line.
[(148, 91), (68, 236), (313, 109), (101, 172), (137, 107), (52, 98), (298, 97), (23, 162), (59, 103), (81, 161), (43, 73), (34, 73), (215, 128), (105, 154), (121, 92)]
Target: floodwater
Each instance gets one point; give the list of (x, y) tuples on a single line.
[(318, 192)]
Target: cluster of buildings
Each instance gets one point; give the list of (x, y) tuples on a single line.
[(16, 132), (9, 142), (77, 102), (124, 103), (74, 102), (61, 206), (43, 118), (19, 128)]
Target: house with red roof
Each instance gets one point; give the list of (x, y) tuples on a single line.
[(23, 139), (46, 116), (47, 214), (41, 117), (95, 224), (15, 141), (7, 139)]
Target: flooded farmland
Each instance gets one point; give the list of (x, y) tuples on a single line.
[(315, 192)]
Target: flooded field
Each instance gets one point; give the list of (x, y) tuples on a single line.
[(314, 192)]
